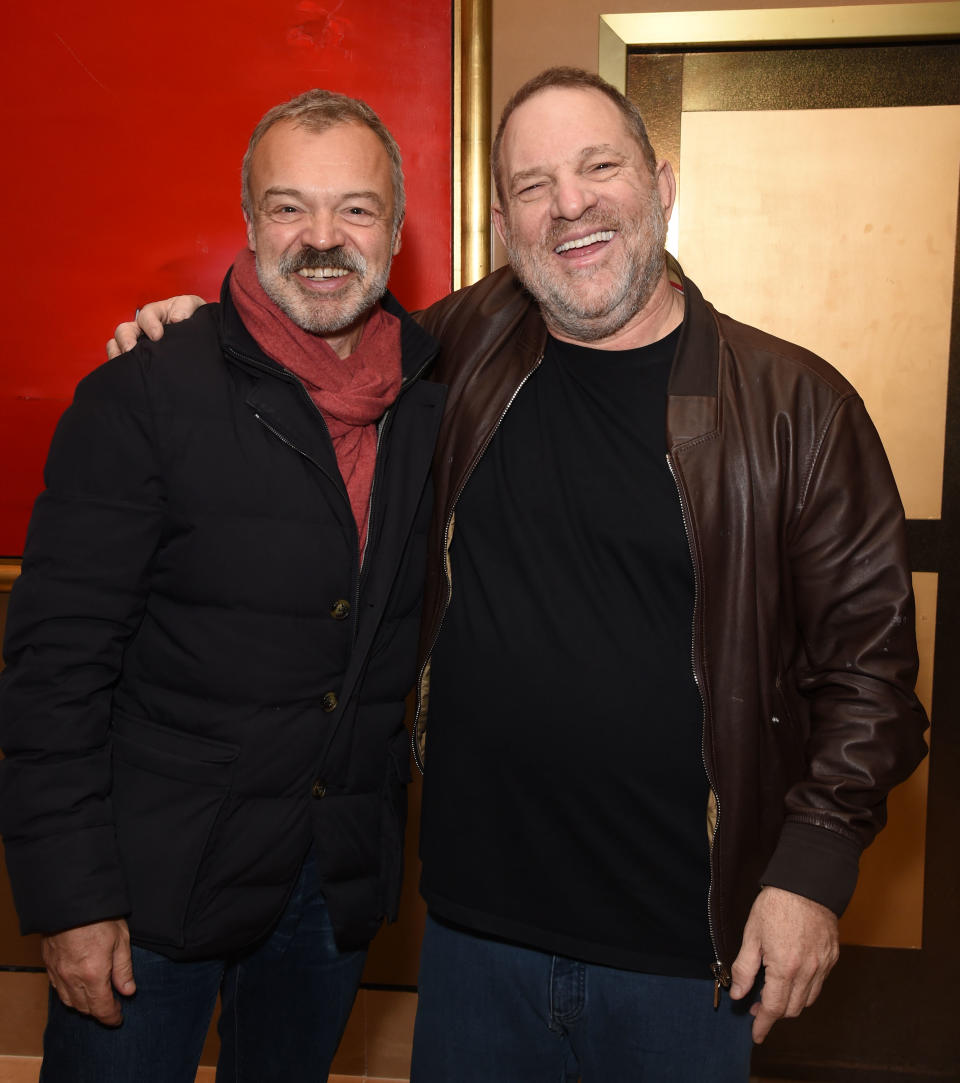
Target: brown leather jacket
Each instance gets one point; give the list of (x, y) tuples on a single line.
[(802, 643)]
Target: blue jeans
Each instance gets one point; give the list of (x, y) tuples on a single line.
[(493, 1012), (284, 1007)]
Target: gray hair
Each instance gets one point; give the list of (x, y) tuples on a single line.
[(576, 79), (317, 111)]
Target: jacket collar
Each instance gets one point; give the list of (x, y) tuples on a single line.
[(696, 363)]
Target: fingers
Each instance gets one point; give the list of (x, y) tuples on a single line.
[(123, 968), (124, 338), (778, 1000), (153, 316), (103, 1005), (797, 943), (80, 963), (789, 987), (745, 968), (184, 306), (150, 321), (87, 992)]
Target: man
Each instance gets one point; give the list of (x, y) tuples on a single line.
[(669, 627), (210, 644)]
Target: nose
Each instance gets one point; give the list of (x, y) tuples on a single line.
[(322, 231), (572, 196)]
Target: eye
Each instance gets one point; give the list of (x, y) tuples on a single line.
[(358, 212), (529, 191)]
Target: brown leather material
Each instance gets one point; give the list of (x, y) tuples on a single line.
[(803, 639)]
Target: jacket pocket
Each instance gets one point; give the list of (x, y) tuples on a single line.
[(168, 790), (393, 823)]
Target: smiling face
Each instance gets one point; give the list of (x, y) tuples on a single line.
[(582, 218), (322, 226)]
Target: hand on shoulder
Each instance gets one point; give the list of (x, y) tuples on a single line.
[(150, 321)]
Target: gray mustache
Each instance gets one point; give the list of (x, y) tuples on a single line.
[(314, 259)]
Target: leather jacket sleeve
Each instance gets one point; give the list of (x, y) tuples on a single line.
[(857, 659)]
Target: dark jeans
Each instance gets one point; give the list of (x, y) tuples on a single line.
[(284, 1007), (491, 1012)]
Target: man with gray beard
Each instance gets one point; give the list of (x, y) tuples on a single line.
[(668, 644), (210, 644), (667, 656)]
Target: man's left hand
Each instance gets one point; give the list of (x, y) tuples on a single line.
[(796, 941)]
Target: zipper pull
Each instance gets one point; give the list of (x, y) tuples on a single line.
[(721, 977)]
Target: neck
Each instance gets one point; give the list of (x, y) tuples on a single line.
[(662, 313), (344, 342)]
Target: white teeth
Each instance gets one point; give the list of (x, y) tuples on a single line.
[(322, 272), (582, 242)]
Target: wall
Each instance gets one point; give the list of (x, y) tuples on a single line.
[(536, 34)]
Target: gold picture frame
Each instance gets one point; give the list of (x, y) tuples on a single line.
[(779, 26), (9, 570), (472, 37)]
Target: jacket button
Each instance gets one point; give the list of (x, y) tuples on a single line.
[(318, 789), (340, 609), (329, 701)]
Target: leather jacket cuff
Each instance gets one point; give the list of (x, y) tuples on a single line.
[(814, 862)]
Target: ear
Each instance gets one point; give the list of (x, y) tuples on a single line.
[(667, 187), (498, 220), (398, 238), (251, 236)]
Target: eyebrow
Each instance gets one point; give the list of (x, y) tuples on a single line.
[(601, 148), (296, 193), (585, 152)]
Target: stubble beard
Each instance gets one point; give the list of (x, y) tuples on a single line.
[(568, 309), (320, 315)]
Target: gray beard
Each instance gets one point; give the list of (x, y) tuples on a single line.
[(562, 309), (308, 316)]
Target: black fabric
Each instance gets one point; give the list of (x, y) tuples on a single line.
[(175, 633), (566, 725)]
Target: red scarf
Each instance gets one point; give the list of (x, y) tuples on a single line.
[(352, 393)]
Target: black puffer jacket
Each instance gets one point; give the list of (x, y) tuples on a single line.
[(198, 673)]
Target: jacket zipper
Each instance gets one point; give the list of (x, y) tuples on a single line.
[(381, 428), (284, 374), (443, 557), (721, 976)]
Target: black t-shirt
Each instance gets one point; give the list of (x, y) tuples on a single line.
[(565, 796)]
